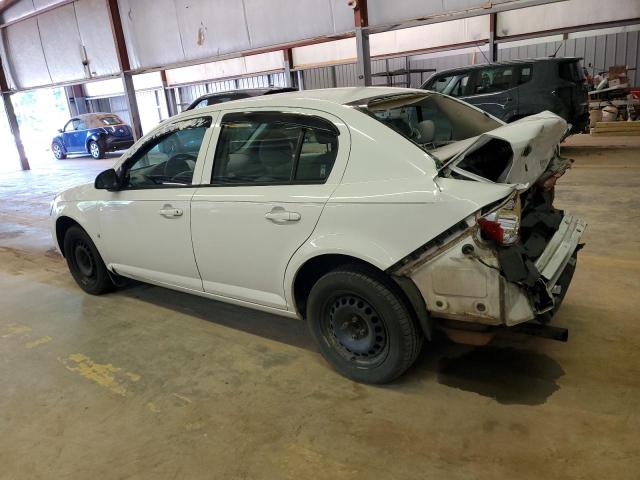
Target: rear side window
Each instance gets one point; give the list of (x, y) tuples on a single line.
[(274, 148), (525, 74), (491, 80)]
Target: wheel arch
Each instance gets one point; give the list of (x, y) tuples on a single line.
[(63, 224), (314, 268)]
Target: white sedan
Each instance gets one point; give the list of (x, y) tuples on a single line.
[(378, 215)]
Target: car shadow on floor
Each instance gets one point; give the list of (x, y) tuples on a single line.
[(506, 373), (274, 327)]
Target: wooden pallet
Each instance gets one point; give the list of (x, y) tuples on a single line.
[(616, 129)]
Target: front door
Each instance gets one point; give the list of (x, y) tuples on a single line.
[(272, 174), (494, 91), (145, 226), (70, 136)]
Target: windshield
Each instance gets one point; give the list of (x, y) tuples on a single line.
[(110, 120), (429, 120)]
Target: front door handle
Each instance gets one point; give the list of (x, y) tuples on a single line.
[(280, 215), (169, 211)]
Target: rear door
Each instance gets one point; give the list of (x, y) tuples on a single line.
[(494, 91), (262, 195)]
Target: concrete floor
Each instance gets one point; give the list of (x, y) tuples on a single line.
[(149, 383)]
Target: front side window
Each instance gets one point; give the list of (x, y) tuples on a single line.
[(169, 158), (440, 84), (71, 125), (460, 87), (494, 79), (274, 148), (81, 125)]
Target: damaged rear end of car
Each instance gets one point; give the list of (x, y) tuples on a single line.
[(510, 263)]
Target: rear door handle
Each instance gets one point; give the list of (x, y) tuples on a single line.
[(280, 215), (169, 211)]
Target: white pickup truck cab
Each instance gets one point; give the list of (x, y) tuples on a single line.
[(378, 215)]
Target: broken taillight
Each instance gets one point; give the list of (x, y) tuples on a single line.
[(503, 225)]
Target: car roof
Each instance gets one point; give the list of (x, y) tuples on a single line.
[(84, 116), (334, 96), (508, 63)]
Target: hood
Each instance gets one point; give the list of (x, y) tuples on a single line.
[(515, 153)]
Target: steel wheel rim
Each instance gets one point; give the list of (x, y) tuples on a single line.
[(355, 330), (95, 151), (84, 261)]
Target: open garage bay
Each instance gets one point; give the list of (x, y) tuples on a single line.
[(148, 383)]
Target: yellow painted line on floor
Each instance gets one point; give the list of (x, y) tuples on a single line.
[(14, 329), (38, 342), (182, 397), (104, 374)]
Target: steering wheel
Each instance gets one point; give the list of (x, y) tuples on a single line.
[(178, 164)]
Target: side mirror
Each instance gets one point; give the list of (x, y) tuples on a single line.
[(60, 130), (107, 180)]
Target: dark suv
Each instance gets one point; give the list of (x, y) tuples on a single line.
[(515, 89), (221, 97)]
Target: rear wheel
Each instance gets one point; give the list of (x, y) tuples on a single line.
[(85, 263), (58, 152), (96, 150), (362, 325)]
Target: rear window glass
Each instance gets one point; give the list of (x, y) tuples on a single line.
[(111, 120), (429, 120)]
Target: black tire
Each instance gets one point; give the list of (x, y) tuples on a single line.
[(362, 324), (58, 151), (85, 263), (96, 149)]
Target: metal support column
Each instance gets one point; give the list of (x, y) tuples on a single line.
[(300, 77), (15, 130), (493, 46), (132, 104), (363, 65), (125, 66), (169, 95), (12, 120), (289, 75)]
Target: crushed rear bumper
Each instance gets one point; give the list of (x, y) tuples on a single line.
[(477, 287)]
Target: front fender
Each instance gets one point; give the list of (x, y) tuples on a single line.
[(83, 212)]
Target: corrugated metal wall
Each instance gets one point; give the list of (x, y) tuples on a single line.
[(599, 52)]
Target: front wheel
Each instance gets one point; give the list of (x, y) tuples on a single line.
[(58, 152), (362, 325), (96, 150), (85, 263)]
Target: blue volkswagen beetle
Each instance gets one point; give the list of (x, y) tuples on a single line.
[(92, 133)]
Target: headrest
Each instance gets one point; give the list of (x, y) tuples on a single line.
[(427, 131)]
